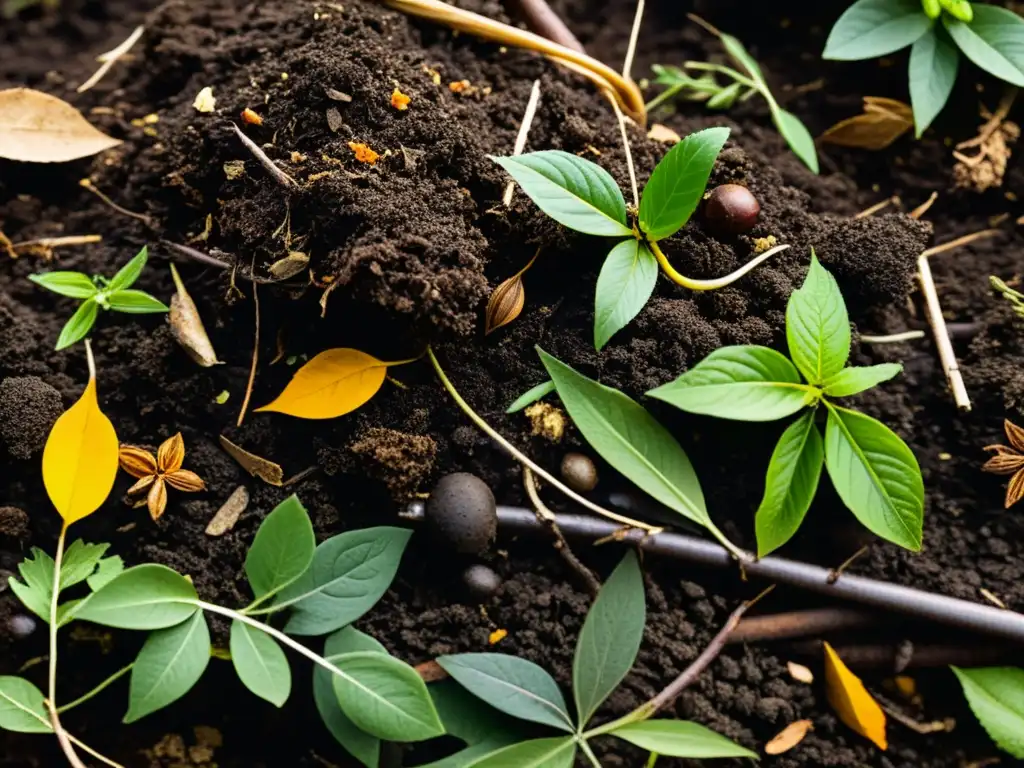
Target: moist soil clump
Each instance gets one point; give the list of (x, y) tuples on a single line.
[(403, 252)]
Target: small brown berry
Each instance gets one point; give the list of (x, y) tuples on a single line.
[(462, 512), (731, 209), (579, 472)]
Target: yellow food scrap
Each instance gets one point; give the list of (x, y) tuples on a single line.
[(251, 117), (435, 76), (460, 86), (546, 421), (399, 100), (205, 102), (497, 636), (363, 153)]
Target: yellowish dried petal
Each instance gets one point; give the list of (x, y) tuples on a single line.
[(183, 480), (1015, 434), (171, 454), (156, 501), (141, 485), (137, 462), (789, 737), (1004, 464), (505, 304), (1015, 490)]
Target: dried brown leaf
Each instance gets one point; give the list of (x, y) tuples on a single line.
[(507, 300), (229, 512), (257, 466), (799, 672), (788, 737), (882, 122), (431, 671), (290, 265), (36, 127), (187, 326), (663, 133), (883, 105)]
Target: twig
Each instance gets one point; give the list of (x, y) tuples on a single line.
[(7, 245), (922, 209), (947, 357), (894, 200), (629, 154), (195, 255), (707, 25), (634, 35), (540, 18), (110, 58), (280, 176), (57, 242), (965, 240), (547, 517), (835, 573), (818, 621), (524, 131), (255, 354), (87, 183), (893, 338)]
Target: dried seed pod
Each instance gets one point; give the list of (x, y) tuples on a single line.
[(579, 472), (731, 209), (187, 326), (507, 301)]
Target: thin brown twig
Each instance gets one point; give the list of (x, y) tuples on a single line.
[(835, 573), (110, 58), (922, 209), (540, 18), (814, 622), (255, 353), (280, 176), (634, 35), (894, 200), (87, 184), (57, 242), (964, 240)]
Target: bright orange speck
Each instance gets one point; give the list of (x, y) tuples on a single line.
[(251, 117), (399, 100), (459, 86), (363, 153), (497, 636)]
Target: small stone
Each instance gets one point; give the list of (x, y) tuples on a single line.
[(21, 626), (462, 513), (481, 581), (28, 408), (14, 523), (579, 472)]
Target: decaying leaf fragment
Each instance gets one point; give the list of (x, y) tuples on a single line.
[(507, 300), (290, 265), (187, 326), (883, 121), (788, 737), (205, 101), (664, 134), (229, 512), (36, 127), (851, 700), (257, 466)]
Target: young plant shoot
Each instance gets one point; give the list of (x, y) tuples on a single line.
[(99, 293), (872, 469), (937, 31), (583, 196)]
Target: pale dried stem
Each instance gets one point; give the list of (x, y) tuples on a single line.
[(110, 58), (923, 208), (87, 184), (894, 200), (634, 35), (255, 353), (57, 242), (524, 131), (893, 338), (280, 176), (629, 154)]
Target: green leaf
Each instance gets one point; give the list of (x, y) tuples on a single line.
[(677, 738), (817, 326), (574, 192), (996, 696), (349, 574), (725, 98), (350, 640), (512, 685), (129, 273), (628, 438), (796, 135), (790, 485), (108, 568), (677, 184), (625, 284), (559, 752), (78, 325), (171, 661), (855, 379), (610, 638), (994, 41), (934, 62), (260, 663), (468, 718), (872, 28), (80, 560), (746, 383), (282, 550), (144, 597), (73, 284), (876, 476), (134, 302), (36, 589), (741, 56), (385, 697), (22, 707), (532, 395)]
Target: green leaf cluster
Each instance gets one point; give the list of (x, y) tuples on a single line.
[(871, 468), (98, 293), (937, 31), (606, 649)]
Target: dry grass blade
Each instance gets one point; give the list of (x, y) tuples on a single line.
[(110, 58), (36, 127), (187, 326), (257, 466), (507, 300), (524, 131), (882, 122), (255, 352), (788, 737)]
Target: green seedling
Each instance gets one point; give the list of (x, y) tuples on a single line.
[(98, 293), (605, 651), (872, 469), (1016, 298), (937, 31), (582, 196), (996, 696), (11, 8)]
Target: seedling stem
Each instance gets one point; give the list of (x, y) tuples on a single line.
[(716, 283)]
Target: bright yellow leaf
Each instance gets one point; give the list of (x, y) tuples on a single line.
[(80, 458), (851, 700), (332, 384)]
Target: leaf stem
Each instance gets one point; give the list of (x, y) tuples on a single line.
[(589, 752), (728, 72), (664, 96), (91, 363), (629, 153), (85, 697), (51, 695), (716, 283)]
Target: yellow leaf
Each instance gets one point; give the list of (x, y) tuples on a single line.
[(80, 458), (788, 737), (332, 384), (36, 127), (851, 700)]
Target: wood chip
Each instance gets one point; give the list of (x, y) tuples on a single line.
[(789, 737), (799, 672), (257, 466), (663, 133), (229, 512), (334, 121), (338, 96)]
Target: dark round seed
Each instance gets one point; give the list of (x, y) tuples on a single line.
[(462, 512), (731, 209), (21, 626), (481, 581), (579, 472)]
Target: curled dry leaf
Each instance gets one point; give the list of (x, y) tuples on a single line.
[(230, 511), (799, 672), (257, 466), (507, 300), (187, 326), (788, 737), (883, 121), (36, 127), (851, 700)]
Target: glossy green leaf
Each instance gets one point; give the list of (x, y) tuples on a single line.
[(994, 41), (73, 284), (817, 325), (349, 574), (559, 752), (790, 485), (282, 550), (855, 379), (532, 395), (129, 273), (134, 302), (22, 707), (171, 661), (260, 663), (746, 383), (106, 570), (996, 696), (610, 638), (350, 640), (625, 284), (78, 325), (876, 476), (872, 28), (35, 590), (796, 135), (574, 192), (678, 182), (678, 738), (144, 597), (80, 560), (934, 62), (468, 718), (512, 685), (385, 697)]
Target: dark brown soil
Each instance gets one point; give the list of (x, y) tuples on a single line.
[(411, 247)]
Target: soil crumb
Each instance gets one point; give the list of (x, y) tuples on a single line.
[(28, 408), (401, 461)]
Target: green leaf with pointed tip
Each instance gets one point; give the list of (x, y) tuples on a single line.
[(129, 273), (934, 62), (22, 707), (171, 661), (532, 395), (106, 570), (996, 696), (144, 597), (559, 752), (135, 302), (282, 550), (876, 476), (817, 326), (678, 738), (73, 284), (78, 325), (574, 192), (260, 663), (625, 284), (36, 588), (796, 135), (994, 41), (872, 28), (80, 560), (678, 182), (468, 718), (855, 379), (741, 56)]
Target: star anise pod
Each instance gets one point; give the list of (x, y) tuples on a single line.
[(1009, 460), (156, 473)]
